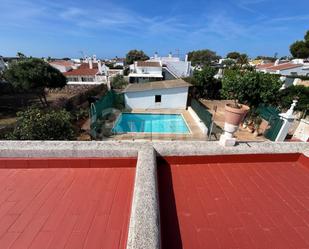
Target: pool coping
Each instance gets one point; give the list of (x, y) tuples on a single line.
[(144, 225), (155, 133)]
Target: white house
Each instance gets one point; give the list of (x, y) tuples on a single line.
[(89, 73), (287, 69), (173, 66), (293, 68), (145, 71), (171, 94)]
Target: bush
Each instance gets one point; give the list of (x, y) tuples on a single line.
[(118, 82), (301, 93), (35, 124), (205, 83)]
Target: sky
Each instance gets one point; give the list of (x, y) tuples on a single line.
[(109, 28)]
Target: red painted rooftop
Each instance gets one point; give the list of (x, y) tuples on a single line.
[(65, 203), (229, 202)]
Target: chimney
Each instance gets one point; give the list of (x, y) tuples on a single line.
[(90, 63), (99, 66), (156, 55), (186, 58), (277, 62), (170, 55), (94, 58)]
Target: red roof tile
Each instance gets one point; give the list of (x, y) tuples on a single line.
[(82, 71), (65, 203), (263, 66), (62, 63), (86, 65), (148, 64), (284, 66), (225, 202)]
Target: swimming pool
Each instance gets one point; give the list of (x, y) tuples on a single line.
[(151, 123)]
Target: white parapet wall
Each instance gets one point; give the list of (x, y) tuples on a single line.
[(199, 122)]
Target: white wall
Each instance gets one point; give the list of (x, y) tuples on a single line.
[(149, 70), (298, 70), (175, 98)]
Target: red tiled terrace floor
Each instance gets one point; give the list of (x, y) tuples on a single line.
[(65, 203), (229, 202)]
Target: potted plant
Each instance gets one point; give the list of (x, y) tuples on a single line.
[(235, 112), (234, 115)]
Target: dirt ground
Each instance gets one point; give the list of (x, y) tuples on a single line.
[(10, 104), (242, 134)]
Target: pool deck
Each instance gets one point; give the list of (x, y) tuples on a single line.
[(196, 133)]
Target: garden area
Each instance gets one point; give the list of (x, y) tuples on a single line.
[(241, 85), (36, 103)]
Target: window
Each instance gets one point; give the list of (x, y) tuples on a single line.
[(158, 99)]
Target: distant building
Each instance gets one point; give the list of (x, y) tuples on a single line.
[(168, 94), (145, 71), (119, 62), (292, 68), (88, 73), (287, 69), (173, 67)]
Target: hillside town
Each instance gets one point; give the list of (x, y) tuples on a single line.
[(181, 150)]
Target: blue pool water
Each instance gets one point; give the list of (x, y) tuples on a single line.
[(151, 123)]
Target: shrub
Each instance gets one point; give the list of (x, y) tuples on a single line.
[(118, 82), (35, 124), (205, 83), (301, 93)]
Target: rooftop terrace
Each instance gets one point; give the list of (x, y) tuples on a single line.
[(153, 195)]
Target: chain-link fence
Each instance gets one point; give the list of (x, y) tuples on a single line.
[(103, 113)]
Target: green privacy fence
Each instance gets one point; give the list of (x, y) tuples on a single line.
[(266, 112), (271, 114), (202, 112), (103, 106)]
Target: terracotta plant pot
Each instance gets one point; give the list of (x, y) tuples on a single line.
[(235, 116)]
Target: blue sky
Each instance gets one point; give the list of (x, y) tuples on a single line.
[(111, 28)]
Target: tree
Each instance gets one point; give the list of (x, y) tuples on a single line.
[(300, 49), (34, 75), (118, 82), (202, 57), (20, 55), (205, 84), (299, 92), (250, 87), (135, 55), (267, 58), (35, 124), (233, 55), (241, 59)]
